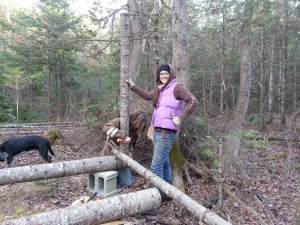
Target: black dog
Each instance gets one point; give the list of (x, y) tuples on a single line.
[(19, 146)]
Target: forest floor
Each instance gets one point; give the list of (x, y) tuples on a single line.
[(268, 186)]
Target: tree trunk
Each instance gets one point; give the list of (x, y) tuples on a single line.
[(188, 203), (177, 162), (180, 58), (271, 85), (204, 96), (59, 169), (223, 68), (180, 61), (297, 221), (295, 99), (124, 89), (285, 70), (262, 80), (139, 25), (230, 157), (154, 44), (96, 212)]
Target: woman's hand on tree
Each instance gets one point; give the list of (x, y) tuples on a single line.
[(130, 82)]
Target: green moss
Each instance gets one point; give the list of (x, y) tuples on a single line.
[(176, 157), (20, 211), (271, 157), (40, 183), (177, 161), (53, 135), (281, 155), (296, 165)]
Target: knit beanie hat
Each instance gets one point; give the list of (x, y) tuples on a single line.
[(164, 67)]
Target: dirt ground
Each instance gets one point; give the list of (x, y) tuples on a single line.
[(269, 185)]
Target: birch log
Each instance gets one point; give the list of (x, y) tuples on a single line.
[(96, 212), (205, 215), (59, 169)]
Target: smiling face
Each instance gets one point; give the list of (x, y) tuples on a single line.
[(164, 76)]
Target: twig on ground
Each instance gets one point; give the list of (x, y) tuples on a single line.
[(187, 175), (226, 189), (162, 220)]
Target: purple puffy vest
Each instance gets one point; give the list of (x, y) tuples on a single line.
[(167, 106)]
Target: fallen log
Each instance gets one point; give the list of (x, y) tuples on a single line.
[(204, 214), (96, 212), (33, 125), (59, 169)]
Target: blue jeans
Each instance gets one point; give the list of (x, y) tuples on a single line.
[(125, 176), (162, 146)]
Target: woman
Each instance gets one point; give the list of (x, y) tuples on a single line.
[(137, 124), (167, 99)]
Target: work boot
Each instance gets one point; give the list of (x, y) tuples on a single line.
[(164, 197)]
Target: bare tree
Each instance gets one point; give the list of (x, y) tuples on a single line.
[(139, 20), (124, 92), (180, 57), (180, 61), (271, 85), (154, 48), (262, 76), (230, 157), (284, 71)]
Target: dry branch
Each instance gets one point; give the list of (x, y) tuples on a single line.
[(96, 212), (59, 169), (189, 204), (196, 170), (187, 175), (226, 189), (163, 220), (242, 204)]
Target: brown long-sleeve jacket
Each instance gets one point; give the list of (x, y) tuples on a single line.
[(115, 123)]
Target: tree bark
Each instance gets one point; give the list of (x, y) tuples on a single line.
[(223, 67), (124, 92), (180, 57), (180, 61), (177, 161), (271, 84), (284, 71), (262, 78), (139, 26), (154, 45), (59, 169), (189, 204), (96, 212), (230, 157)]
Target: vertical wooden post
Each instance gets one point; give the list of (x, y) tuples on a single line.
[(124, 90)]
